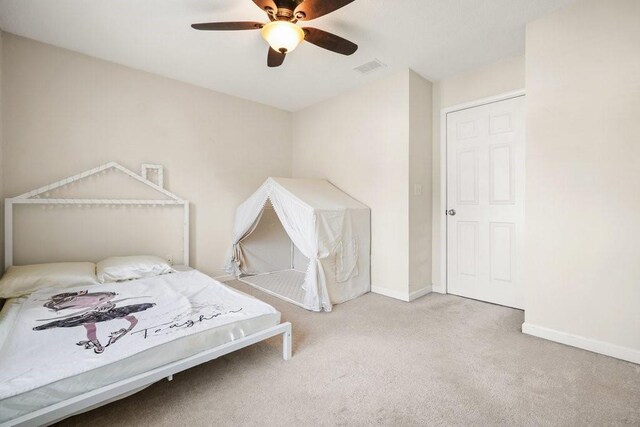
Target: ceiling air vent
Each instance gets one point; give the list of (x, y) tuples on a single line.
[(370, 67)]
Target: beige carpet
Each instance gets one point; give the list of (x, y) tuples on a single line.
[(441, 360)]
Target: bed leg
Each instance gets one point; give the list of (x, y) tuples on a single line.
[(286, 343), (170, 378)]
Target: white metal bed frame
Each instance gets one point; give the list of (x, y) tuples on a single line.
[(121, 389), (124, 388)]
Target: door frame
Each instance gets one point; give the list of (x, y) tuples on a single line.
[(443, 287)]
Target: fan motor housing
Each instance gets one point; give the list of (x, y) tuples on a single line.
[(287, 4), (284, 14)]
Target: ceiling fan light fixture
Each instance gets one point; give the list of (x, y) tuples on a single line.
[(282, 36)]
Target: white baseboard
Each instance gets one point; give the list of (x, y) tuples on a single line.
[(419, 293), (441, 289), (402, 296), (608, 349)]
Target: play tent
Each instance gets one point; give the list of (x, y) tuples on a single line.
[(304, 241)]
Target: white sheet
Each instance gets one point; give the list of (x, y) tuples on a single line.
[(34, 388)]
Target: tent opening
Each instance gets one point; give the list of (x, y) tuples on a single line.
[(272, 262)]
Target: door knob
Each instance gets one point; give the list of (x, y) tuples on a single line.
[(451, 212)]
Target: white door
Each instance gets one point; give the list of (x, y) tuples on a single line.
[(485, 202)]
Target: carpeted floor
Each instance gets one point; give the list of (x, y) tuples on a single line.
[(441, 360)]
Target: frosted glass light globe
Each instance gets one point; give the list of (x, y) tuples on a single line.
[(282, 36)]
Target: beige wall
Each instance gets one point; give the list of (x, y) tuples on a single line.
[(362, 142), (359, 142), (420, 171), (501, 77), (1, 165), (65, 112), (70, 112), (583, 176)]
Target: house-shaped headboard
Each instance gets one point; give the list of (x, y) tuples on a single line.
[(40, 196)]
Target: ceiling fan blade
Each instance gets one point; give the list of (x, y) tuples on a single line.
[(275, 58), (228, 26), (313, 9), (329, 41)]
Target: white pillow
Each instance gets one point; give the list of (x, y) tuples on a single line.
[(116, 269), (23, 280)]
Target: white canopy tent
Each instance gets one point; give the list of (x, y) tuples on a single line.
[(303, 240)]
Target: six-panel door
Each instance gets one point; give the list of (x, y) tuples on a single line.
[(485, 188)]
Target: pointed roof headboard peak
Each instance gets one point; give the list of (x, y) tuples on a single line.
[(35, 197), (110, 165)]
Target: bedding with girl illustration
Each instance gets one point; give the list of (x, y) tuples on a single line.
[(63, 342)]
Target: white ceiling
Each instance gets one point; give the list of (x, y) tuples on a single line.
[(436, 38)]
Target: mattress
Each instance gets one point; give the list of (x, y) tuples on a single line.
[(154, 357)]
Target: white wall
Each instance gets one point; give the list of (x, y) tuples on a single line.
[(65, 112), (362, 142), (582, 264), (494, 79)]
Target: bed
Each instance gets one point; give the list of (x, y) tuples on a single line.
[(53, 368)]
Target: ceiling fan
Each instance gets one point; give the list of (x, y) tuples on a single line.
[(282, 32)]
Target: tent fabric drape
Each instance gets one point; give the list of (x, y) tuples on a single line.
[(316, 217)]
